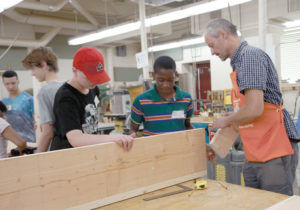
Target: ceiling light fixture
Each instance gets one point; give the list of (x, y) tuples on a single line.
[(7, 4), (113, 31), (177, 14), (192, 11), (180, 43)]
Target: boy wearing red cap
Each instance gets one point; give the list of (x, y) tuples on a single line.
[(75, 105)]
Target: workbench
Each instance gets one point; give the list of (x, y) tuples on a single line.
[(216, 196)]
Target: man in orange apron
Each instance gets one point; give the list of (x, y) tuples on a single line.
[(267, 131)]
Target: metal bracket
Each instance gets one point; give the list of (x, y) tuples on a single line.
[(183, 189)]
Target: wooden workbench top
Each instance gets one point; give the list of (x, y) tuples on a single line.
[(216, 196)]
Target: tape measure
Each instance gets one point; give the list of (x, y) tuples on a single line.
[(201, 184)]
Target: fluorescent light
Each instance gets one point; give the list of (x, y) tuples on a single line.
[(176, 44), (5, 4), (192, 11), (180, 43), (177, 14), (113, 31)]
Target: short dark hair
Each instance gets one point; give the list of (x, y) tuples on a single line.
[(164, 62), (3, 108), (9, 74)]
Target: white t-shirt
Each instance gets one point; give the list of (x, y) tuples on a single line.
[(3, 142)]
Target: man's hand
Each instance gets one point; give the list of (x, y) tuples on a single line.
[(211, 155), (125, 141), (221, 122)]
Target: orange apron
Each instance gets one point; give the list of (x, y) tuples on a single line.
[(264, 138)]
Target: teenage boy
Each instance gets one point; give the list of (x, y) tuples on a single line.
[(164, 108), (19, 107), (72, 125), (43, 63)]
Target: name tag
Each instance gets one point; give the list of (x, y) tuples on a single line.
[(178, 114), (96, 101)]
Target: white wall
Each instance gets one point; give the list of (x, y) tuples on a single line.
[(65, 69), (270, 45), (129, 60), (220, 74)]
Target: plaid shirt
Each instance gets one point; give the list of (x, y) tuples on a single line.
[(255, 70)]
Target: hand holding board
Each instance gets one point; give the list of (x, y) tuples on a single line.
[(223, 140)]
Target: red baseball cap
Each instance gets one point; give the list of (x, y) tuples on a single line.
[(90, 62)]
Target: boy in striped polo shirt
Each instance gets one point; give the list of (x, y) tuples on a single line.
[(164, 108)]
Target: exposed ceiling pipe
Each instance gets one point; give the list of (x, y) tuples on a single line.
[(57, 7), (43, 7), (46, 38), (47, 21)]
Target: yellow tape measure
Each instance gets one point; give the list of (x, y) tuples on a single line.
[(201, 184)]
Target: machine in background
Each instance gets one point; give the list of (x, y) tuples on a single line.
[(120, 111)]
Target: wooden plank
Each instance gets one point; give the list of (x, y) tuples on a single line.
[(214, 197), (223, 140), (291, 203), (73, 177)]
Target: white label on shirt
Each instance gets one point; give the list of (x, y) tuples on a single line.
[(96, 101), (178, 114)]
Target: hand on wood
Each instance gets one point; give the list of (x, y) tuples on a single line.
[(221, 122), (125, 141)]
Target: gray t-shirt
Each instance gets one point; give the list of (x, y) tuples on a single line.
[(3, 141), (46, 100)]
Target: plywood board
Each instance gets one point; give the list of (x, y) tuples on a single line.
[(215, 197), (74, 177), (223, 140), (291, 203)]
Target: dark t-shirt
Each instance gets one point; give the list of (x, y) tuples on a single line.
[(73, 111)]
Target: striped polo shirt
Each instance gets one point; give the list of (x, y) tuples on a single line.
[(159, 115)]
